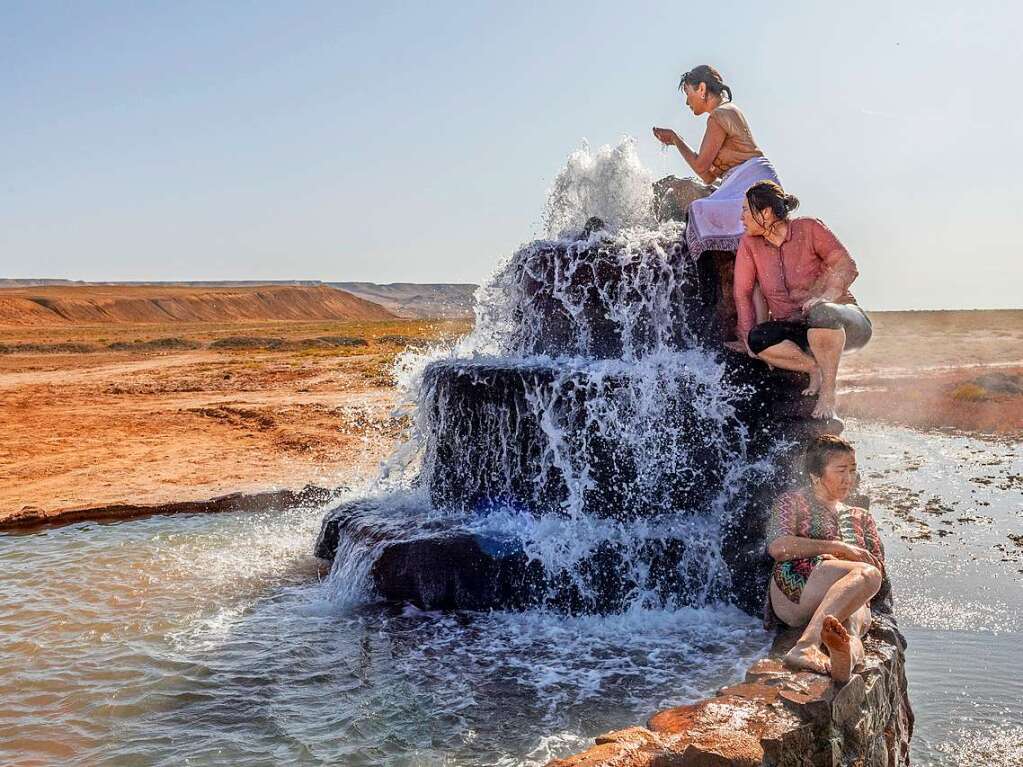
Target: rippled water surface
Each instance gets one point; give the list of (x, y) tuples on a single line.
[(947, 506), (210, 640)]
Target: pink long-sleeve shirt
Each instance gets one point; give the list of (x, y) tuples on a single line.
[(810, 261)]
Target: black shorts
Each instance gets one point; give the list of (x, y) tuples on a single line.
[(849, 317)]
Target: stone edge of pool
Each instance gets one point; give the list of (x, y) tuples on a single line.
[(779, 717), (31, 517)]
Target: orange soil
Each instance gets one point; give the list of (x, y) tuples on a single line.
[(97, 429), (147, 427), (911, 370), (62, 305)]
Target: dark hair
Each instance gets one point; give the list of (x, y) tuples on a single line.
[(768, 194), (708, 76), (820, 451)]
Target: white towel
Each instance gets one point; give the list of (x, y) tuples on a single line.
[(715, 222)]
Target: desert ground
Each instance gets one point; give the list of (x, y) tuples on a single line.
[(99, 414), (950, 371), (94, 414)]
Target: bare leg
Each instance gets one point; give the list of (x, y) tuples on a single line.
[(844, 643), (788, 356), (826, 344), (839, 641), (837, 589), (858, 624)]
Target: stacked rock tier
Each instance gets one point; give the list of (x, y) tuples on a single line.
[(607, 396), (610, 295), (528, 436)]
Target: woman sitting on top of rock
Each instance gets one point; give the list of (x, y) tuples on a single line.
[(728, 155), (804, 273), (829, 562)]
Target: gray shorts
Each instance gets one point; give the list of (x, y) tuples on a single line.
[(849, 317)]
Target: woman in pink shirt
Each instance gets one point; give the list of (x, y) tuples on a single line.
[(804, 273)]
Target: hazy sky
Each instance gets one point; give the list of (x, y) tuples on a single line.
[(414, 142)]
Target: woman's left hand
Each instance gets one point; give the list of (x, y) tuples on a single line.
[(666, 136), (739, 346)]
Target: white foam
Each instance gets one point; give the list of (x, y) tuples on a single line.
[(611, 184), (632, 402)]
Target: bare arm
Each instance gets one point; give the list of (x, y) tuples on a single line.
[(796, 547), (700, 162)]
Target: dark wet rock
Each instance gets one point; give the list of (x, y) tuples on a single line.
[(427, 561), (433, 563), (595, 278), (780, 717), (473, 404), (486, 449), (673, 196)]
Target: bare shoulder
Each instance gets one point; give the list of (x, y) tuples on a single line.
[(729, 114)]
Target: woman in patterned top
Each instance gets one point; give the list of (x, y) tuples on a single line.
[(829, 562)]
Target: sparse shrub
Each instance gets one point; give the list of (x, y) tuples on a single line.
[(969, 392), (341, 341), (247, 342), (403, 341)]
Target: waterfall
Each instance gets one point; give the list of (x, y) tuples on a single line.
[(589, 423)]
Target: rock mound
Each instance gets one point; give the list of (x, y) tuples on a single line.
[(93, 304)]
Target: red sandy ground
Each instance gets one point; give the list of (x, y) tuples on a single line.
[(64, 305), (147, 427), (914, 369), (95, 429)]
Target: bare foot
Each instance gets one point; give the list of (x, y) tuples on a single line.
[(836, 639), (815, 383), (810, 658), (825, 405)]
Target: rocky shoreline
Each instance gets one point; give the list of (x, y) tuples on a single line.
[(31, 517), (779, 717)]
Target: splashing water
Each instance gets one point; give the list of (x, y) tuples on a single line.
[(611, 184), (582, 414)]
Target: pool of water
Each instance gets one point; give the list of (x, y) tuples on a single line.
[(946, 506), (211, 640)]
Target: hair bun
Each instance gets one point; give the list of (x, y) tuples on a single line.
[(791, 202)]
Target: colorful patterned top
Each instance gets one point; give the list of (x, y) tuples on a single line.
[(799, 513)]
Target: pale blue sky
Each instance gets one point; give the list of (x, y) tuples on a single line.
[(393, 142)]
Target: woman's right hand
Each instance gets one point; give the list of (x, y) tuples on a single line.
[(852, 553), (666, 136)]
